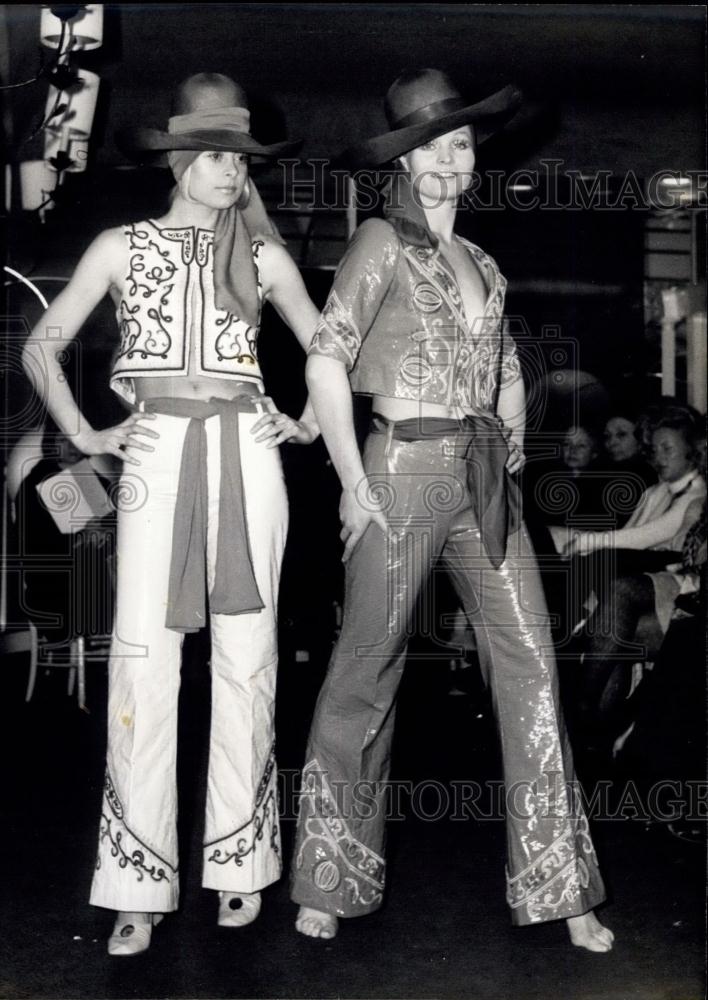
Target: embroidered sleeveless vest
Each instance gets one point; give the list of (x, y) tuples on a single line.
[(167, 314)]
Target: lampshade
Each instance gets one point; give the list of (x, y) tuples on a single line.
[(85, 28), (673, 189), (76, 148), (675, 303), (37, 181), (80, 103)]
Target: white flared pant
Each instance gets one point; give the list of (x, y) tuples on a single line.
[(137, 866)]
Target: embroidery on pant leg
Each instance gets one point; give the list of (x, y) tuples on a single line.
[(262, 824), (559, 874), (117, 840), (337, 861)]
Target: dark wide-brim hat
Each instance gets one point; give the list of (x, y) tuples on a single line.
[(424, 104), (209, 112)]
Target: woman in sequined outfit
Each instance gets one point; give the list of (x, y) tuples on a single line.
[(414, 319)]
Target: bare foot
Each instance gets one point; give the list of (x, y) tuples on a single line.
[(315, 923), (236, 909), (586, 931)]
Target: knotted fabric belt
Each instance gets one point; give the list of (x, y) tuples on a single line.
[(494, 494), (235, 590)]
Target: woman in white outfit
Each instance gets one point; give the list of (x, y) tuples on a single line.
[(204, 507)]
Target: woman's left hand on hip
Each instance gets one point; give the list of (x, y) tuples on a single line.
[(276, 428)]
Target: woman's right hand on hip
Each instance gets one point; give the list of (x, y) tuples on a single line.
[(114, 440)]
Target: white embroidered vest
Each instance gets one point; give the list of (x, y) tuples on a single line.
[(167, 312)]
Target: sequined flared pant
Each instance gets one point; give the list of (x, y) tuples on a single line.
[(338, 864), (137, 866)]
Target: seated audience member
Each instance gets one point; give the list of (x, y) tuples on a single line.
[(667, 408), (625, 459), (562, 488), (606, 665), (557, 495), (668, 739), (579, 467), (658, 522)]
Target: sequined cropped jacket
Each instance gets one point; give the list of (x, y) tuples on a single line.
[(396, 319)]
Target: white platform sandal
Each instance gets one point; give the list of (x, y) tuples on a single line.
[(236, 909), (132, 933)]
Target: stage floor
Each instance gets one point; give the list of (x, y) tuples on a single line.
[(444, 930)]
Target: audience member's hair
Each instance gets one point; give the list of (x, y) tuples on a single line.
[(682, 420), (670, 413)]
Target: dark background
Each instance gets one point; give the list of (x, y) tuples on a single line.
[(627, 79), (618, 88)]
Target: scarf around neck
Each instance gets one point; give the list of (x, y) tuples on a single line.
[(235, 276)]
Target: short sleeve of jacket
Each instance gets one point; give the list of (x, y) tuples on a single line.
[(360, 285), (510, 364)]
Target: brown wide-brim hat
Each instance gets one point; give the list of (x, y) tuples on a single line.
[(424, 104), (210, 112)]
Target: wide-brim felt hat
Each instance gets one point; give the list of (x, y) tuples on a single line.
[(210, 112), (424, 104), (201, 140)]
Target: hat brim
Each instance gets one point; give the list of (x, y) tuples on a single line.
[(487, 116), (152, 140)]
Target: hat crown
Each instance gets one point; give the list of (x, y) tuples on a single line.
[(414, 91), (208, 91)]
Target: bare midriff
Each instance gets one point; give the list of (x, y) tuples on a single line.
[(406, 409), (194, 387)]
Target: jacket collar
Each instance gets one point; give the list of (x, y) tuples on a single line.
[(405, 214)]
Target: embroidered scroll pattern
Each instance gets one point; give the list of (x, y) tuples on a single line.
[(119, 844), (458, 361), (337, 334), (337, 862), (548, 888), (236, 340), (150, 276), (260, 829)]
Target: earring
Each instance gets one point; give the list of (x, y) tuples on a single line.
[(245, 196)]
